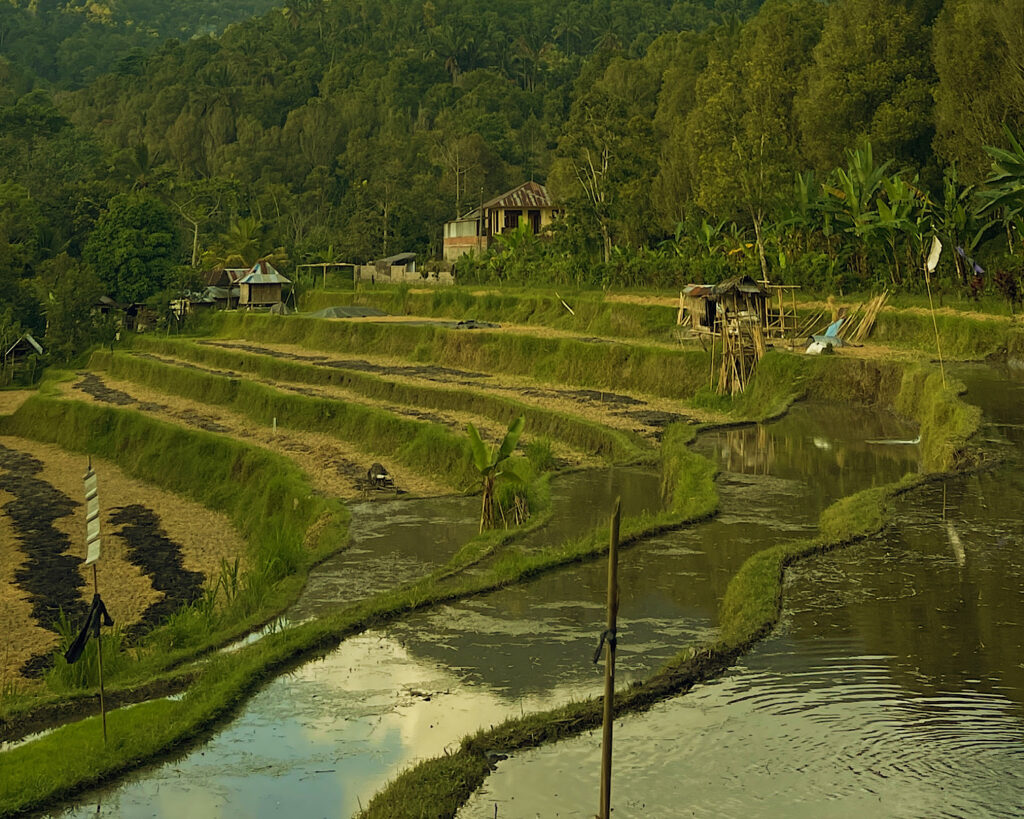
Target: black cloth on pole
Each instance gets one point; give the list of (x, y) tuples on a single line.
[(97, 613)]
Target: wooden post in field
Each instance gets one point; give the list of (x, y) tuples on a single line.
[(609, 665), (929, 268), (99, 661), (92, 539)]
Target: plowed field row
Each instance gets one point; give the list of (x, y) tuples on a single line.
[(621, 410), (334, 466), (489, 430), (183, 545)]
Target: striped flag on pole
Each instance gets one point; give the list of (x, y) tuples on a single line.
[(92, 517)]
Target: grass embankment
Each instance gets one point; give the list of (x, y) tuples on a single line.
[(905, 324), (780, 379), (651, 370), (73, 757), (573, 431), (591, 313), (430, 449), (286, 525), (749, 610), (962, 338), (39, 773)]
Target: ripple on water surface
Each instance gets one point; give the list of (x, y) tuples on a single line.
[(893, 687)]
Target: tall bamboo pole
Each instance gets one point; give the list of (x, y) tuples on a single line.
[(935, 324), (609, 664), (99, 658)]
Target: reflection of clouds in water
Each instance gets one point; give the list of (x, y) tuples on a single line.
[(377, 676)]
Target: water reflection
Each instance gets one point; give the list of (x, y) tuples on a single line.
[(894, 685), (778, 478), (329, 735), (320, 741)]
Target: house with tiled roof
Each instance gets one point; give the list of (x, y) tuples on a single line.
[(475, 231)]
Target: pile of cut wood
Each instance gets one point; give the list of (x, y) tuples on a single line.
[(857, 323)]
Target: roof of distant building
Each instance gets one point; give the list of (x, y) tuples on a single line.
[(528, 195), (263, 272)]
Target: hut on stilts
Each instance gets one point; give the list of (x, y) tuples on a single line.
[(734, 314)]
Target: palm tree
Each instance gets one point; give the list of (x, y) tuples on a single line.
[(490, 463)]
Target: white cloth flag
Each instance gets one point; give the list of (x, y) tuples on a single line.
[(92, 517), (933, 255)]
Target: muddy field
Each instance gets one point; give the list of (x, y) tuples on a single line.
[(159, 550)]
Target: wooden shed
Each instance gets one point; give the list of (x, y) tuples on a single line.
[(261, 286), (20, 361), (702, 307)]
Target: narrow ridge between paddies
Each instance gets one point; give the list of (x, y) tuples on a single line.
[(334, 467), (490, 430)]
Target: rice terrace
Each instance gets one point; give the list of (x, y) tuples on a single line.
[(399, 656), (448, 409)]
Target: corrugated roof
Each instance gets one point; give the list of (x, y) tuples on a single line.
[(27, 337), (744, 284), (527, 195), (263, 272)]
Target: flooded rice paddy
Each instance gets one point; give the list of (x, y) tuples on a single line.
[(335, 730), (894, 686)]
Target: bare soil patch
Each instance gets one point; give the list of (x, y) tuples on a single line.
[(10, 400), (194, 538)]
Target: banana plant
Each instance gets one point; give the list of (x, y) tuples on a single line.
[(489, 464)]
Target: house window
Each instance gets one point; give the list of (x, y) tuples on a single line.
[(512, 219)]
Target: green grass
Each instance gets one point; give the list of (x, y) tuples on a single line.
[(38, 773), (961, 337), (429, 449), (35, 775), (571, 430), (651, 370), (591, 313), (439, 787), (751, 604)]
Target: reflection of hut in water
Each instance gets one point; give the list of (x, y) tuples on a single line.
[(749, 451)]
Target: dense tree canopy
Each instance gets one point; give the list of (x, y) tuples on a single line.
[(692, 138)]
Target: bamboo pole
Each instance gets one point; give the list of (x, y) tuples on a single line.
[(935, 324), (99, 657), (609, 664)]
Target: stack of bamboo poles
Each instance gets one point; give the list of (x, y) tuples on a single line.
[(859, 324)]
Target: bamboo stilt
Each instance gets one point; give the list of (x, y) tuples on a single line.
[(99, 658), (609, 664)]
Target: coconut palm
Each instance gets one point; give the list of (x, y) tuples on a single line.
[(490, 463)]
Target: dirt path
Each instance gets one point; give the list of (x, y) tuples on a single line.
[(10, 400), (334, 466), (194, 537), (645, 415)]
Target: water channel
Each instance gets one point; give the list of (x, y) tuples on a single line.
[(331, 733), (894, 685)]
